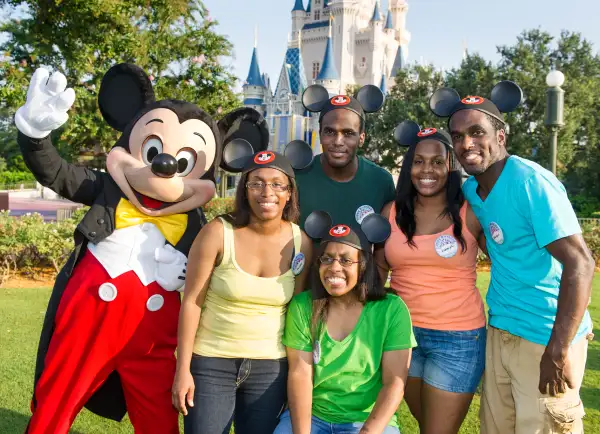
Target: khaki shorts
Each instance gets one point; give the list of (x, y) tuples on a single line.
[(511, 402)]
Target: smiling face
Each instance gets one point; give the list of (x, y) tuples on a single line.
[(166, 158), (430, 166), (339, 280), (477, 143), (268, 192), (341, 137)]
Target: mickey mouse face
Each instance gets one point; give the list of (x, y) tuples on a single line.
[(339, 231), (340, 100), (264, 157), (186, 149), (472, 100), (427, 132)]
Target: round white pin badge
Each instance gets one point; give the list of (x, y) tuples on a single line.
[(446, 246), (362, 212), (316, 352), (298, 263), (496, 232)]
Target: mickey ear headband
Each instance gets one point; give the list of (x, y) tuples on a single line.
[(374, 229), (240, 156), (408, 133), (369, 99), (505, 97)]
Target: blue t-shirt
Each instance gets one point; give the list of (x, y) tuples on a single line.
[(526, 210)]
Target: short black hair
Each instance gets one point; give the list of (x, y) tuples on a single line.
[(497, 124), (361, 128)]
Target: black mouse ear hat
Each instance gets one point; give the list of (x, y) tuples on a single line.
[(505, 97), (369, 99), (373, 229), (409, 133)]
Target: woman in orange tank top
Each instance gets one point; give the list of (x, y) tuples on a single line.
[(432, 255)]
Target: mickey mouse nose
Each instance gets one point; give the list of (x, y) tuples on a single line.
[(164, 165)]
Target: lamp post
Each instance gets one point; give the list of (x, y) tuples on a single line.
[(555, 101)]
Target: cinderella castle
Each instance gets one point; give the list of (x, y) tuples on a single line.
[(337, 44)]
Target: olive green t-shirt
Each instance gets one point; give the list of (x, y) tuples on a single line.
[(371, 187), (347, 374)]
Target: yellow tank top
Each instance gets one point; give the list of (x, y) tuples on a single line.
[(244, 315)]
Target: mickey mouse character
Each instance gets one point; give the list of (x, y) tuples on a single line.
[(110, 329)]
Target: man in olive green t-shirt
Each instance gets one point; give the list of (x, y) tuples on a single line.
[(345, 185)]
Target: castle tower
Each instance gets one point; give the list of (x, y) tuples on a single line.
[(254, 87), (399, 9), (298, 16), (377, 44), (344, 29), (328, 76)]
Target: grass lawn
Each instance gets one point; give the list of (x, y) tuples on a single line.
[(22, 312)]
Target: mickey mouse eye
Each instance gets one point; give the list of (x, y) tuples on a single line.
[(151, 149), (186, 160)]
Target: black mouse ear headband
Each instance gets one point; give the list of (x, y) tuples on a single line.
[(369, 99), (409, 133), (373, 229), (505, 97), (239, 156)]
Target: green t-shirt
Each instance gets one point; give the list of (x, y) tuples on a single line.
[(372, 186), (347, 374)]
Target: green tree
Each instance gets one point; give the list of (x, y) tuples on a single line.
[(408, 99), (172, 40)]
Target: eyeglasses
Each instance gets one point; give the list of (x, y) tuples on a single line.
[(344, 262), (259, 185)]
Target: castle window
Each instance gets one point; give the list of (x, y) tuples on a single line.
[(317, 15), (316, 70)]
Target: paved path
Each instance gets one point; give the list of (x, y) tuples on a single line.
[(47, 208)]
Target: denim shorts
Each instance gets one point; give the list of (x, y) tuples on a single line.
[(318, 426), (449, 360)]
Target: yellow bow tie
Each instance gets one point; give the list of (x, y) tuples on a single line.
[(172, 226)]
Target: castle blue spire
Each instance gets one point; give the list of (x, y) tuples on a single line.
[(308, 7), (328, 71), (398, 62), (325, 3), (389, 23), (298, 6), (376, 13), (383, 85), (254, 75)]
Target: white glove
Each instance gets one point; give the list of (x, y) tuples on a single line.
[(170, 268), (46, 106)]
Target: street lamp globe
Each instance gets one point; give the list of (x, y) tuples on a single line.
[(555, 78)]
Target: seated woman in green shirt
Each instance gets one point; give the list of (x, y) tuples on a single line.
[(348, 342)]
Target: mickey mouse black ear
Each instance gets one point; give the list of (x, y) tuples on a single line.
[(314, 98), (443, 101), (299, 153), (371, 98), (376, 228), (125, 89), (236, 154), (317, 224), (507, 96), (406, 132), (247, 124)]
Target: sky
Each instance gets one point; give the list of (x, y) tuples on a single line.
[(440, 29)]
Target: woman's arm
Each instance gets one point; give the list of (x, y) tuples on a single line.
[(379, 253), (205, 253), (476, 230), (394, 370), (307, 250), (299, 389)]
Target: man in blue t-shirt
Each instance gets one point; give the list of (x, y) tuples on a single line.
[(540, 281)]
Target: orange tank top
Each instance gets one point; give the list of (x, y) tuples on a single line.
[(436, 279)]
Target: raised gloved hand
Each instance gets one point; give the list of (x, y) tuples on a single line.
[(48, 101), (170, 268)]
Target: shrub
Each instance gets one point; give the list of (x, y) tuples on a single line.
[(586, 206), (8, 177), (591, 233), (218, 206)]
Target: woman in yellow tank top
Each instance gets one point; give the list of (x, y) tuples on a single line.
[(243, 270)]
